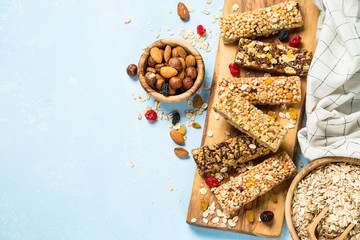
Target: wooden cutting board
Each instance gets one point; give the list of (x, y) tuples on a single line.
[(225, 56)]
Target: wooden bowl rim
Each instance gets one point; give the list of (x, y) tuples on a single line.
[(190, 49), (304, 172)]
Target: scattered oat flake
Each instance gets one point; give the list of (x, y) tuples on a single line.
[(171, 33), (235, 219), (193, 220), (127, 20), (191, 9), (289, 126), (210, 133), (177, 126), (235, 7), (144, 46), (231, 223), (170, 11), (207, 12), (287, 115), (203, 191), (132, 164), (221, 8), (208, 1), (167, 28), (205, 220), (171, 125), (252, 146), (170, 188), (133, 96), (147, 96), (216, 15), (215, 220), (207, 87), (157, 35), (282, 115), (139, 116)]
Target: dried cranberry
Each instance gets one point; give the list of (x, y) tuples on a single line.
[(201, 30), (283, 34), (267, 216), (295, 40), (240, 188), (212, 181), (151, 115), (176, 118), (165, 89), (234, 69)]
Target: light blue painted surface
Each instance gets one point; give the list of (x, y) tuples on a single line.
[(68, 126)]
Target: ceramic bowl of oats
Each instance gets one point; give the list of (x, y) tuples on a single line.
[(332, 182)]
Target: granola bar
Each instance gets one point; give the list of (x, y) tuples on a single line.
[(273, 58), (247, 118), (247, 186), (229, 153), (264, 90), (260, 22)]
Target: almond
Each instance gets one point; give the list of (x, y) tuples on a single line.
[(181, 152), (167, 53), (168, 72), (182, 63), (175, 52), (190, 61), (182, 53), (183, 11), (177, 137), (156, 54)]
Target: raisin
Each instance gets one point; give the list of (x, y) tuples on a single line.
[(267, 216), (182, 130), (283, 34), (292, 112), (151, 115), (201, 30), (197, 101), (204, 204), (250, 216), (295, 40), (196, 125), (175, 118), (240, 188), (272, 114), (165, 89), (212, 181)]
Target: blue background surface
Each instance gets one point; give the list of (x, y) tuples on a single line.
[(69, 127)]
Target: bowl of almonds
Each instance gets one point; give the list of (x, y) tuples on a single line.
[(171, 70)]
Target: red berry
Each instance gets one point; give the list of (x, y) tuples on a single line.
[(212, 181), (234, 69), (151, 115), (295, 40), (201, 30)]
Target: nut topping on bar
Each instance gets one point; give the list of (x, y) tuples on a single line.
[(273, 58), (264, 90), (229, 153), (247, 118), (260, 22), (249, 185)]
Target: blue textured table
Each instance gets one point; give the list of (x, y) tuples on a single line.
[(69, 129)]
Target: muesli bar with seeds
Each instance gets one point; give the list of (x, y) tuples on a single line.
[(240, 113), (251, 184), (264, 90), (260, 22), (229, 153), (275, 58)]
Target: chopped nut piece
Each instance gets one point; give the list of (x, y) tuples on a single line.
[(235, 7), (127, 20), (207, 12), (170, 188), (210, 133), (139, 116), (132, 164)]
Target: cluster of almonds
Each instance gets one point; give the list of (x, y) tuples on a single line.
[(170, 70)]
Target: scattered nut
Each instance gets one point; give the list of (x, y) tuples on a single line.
[(181, 152), (131, 70), (183, 12)]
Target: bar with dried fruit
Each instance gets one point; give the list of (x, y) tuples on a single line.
[(264, 90), (247, 186), (229, 153)]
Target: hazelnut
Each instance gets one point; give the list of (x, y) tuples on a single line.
[(150, 69), (159, 66), (131, 70), (175, 63), (187, 83), (191, 72), (159, 81), (171, 91), (175, 82), (150, 78), (151, 62)]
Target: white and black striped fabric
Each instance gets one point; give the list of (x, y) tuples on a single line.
[(333, 84)]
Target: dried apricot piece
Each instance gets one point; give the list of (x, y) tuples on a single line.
[(272, 114), (204, 203), (250, 216), (289, 95), (281, 91), (196, 125), (182, 129), (197, 101), (268, 81), (292, 112), (273, 196)]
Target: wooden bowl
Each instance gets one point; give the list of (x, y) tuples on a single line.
[(173, 42), (300, 176)]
